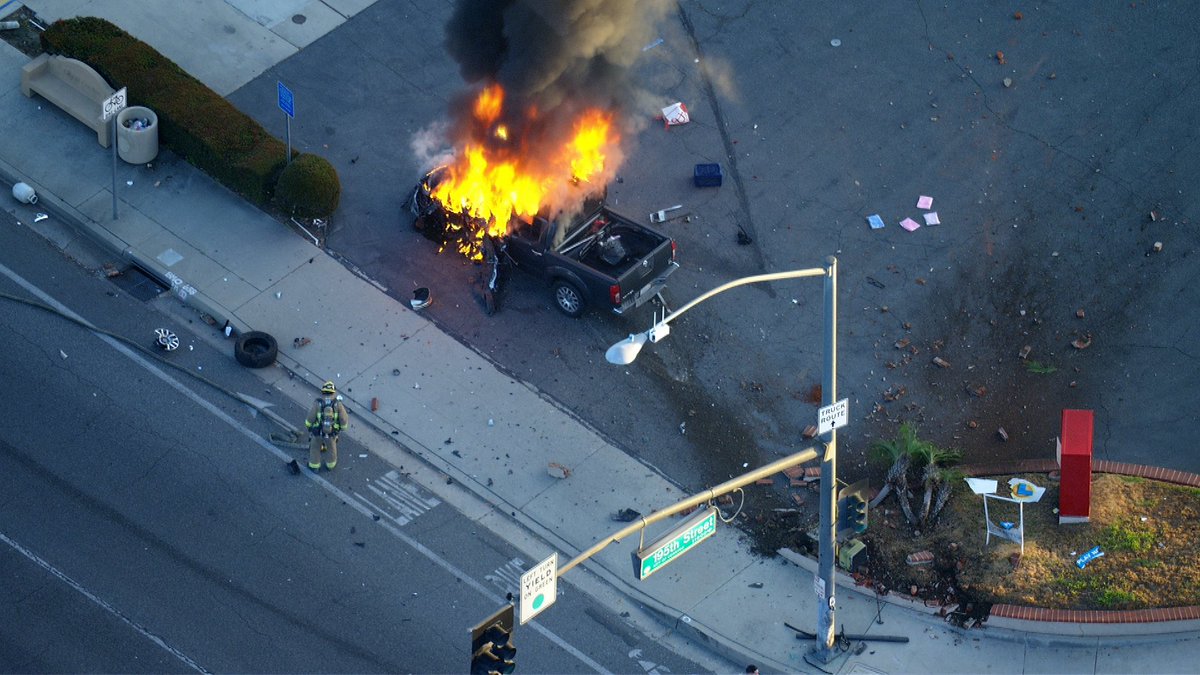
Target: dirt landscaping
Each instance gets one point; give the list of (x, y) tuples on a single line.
[(1148, 532)]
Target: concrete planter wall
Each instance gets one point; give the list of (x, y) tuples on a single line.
[(137, 146)]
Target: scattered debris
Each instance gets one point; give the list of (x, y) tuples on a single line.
[(756, 584), (972, 424), (765, 481), (675, 114), (920, 281), (1082, 342), (902, 343), (39, 217), (931, 218), (910, 224), (1008, 82), (1083, 560), (374, 405), (660, 216), (652, 45), (1018, 16), (1154, 216), (835, 43), (875, 221), (1158, 247), (110, 271), (1000, 58), (395, 371), (919, 558), (940, 362), (810, 431), (301, 341), (924, 202), (163, 339), (683, 427), (420, 299), (875, 282), (557, 470), (625, 516), (1079, 313), (1002, 434), (1024, 353), (978, 392)]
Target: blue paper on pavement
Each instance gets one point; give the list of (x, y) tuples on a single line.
[(875, 221), (1089, 557)]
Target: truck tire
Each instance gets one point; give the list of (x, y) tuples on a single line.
[(568, 299), (255, 349)]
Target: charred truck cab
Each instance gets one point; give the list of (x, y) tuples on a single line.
[(596, 258)]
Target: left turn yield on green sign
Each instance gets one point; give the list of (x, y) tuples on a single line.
[(539, 588)]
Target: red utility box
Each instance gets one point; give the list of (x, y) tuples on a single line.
[(1075, 463)]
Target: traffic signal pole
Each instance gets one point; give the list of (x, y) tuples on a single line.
[(823, 651), (695, 500)]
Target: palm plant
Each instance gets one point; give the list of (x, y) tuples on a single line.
[(899, 451), (932, 460), (947, 478)]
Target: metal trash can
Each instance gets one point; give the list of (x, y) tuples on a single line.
[(137, 134)]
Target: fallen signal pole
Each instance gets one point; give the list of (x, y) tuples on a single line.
[(802, 634)]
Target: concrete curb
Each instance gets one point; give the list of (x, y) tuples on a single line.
[(117, 246)]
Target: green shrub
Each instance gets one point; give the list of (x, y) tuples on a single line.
[(308, 187), (194, 121)]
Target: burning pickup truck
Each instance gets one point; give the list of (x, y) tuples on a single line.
[(596, 258)]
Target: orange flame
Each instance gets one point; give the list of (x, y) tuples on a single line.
[(510, 173)]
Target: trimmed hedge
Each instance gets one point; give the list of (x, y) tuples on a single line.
[(308, 187), (194, 122)]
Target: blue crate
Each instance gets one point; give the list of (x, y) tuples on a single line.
[(707, 175)]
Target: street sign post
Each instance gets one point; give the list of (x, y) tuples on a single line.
[(539, 588), (658, 554), (287, 103), (833, 416), (108, 111)]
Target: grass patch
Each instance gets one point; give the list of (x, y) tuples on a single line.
[(1146, 564), (1039, 368)]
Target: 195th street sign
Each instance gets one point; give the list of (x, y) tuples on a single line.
[(648, 560)]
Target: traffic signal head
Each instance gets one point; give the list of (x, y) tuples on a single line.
[(852, 510), (492, 649)]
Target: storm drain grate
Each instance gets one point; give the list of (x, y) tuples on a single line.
[(137, 283)]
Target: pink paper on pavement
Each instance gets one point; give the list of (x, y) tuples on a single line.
[(924, 202), (909, 224)]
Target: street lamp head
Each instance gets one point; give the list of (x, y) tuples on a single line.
[(624, 352)]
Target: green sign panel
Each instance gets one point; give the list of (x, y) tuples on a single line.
[(675, 543)]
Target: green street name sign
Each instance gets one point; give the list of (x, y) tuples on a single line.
[(648, 560)]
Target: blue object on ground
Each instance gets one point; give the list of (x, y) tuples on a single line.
[(707, 175), (1089, 557)]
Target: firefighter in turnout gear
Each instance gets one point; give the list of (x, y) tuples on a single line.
[(326, 419)]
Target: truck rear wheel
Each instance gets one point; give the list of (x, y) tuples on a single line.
[(568, 299)]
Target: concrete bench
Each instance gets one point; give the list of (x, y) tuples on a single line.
[(71, 85)]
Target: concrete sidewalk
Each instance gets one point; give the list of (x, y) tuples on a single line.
[(494, 435)]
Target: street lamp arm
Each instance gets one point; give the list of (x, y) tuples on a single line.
[(625, 351), (756, 279)]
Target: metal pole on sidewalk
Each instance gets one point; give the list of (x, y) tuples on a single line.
[(823, 650), (113, 140)]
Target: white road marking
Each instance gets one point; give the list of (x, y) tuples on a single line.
[(283, 456), (508, 577), (405, 499), (35, 559)]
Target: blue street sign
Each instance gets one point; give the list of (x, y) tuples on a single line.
[(287, 100)]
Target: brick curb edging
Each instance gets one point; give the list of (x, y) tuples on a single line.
[(1129, 616)]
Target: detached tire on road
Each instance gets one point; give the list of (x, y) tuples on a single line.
[(255, 349), (568, 298)]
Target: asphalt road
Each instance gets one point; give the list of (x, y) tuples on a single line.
[(1044, 188), (147, 525)]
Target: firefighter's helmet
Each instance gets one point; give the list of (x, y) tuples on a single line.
[(328, 388)]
